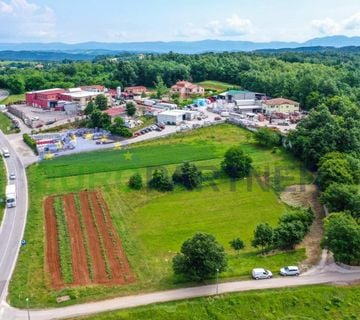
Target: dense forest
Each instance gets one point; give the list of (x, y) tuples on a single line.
[(306, 77)]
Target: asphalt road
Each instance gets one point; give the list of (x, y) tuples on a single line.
[(326, 276), (13, 224)]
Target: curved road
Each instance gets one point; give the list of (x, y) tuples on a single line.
[(13, 224), (11, 233)]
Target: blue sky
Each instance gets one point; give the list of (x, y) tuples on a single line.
[(166, 20)]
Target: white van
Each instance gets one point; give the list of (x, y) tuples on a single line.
[(5, 153), (260, 273)]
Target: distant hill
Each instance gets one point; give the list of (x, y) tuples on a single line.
[(89, 50)]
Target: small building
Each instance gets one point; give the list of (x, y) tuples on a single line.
[(116, 112), (280, 105), (165, 106), (238, 95), (172, 117), (137, 90), (186, 89)]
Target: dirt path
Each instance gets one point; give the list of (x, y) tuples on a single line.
[(79, 261), (52, 245), (97, 260), (126, 269), (308, 196)]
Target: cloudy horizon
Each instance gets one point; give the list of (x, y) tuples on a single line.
[(160, 20)]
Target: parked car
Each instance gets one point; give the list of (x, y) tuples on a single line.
[(12, 176), (290, 271), (136, 134), (260, 273), (217, 118)]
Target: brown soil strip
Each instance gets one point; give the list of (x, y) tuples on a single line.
[(98, 263), (78, 252), (308, 196), (126, 269), (117, 273), (52, 246)]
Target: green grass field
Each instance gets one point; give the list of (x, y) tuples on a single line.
[(13, 98), (5, 123), (305, 303), (217, 85), (152, 225)]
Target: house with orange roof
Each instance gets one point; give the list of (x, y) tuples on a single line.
[(186, 89), (280, 105)]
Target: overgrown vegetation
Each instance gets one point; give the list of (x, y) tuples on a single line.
[(30, 142)]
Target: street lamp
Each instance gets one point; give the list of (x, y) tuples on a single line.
[(217, 281), (28, 310)]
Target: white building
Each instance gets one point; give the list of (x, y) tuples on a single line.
[(173, 117)]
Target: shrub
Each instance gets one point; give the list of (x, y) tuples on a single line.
[(30, 142), (160, 181), (135, 182), (188, 175)]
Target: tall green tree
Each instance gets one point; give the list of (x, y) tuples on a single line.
[(236, 163), (101, 102), (130, 109), (201, 257), (263, 237)]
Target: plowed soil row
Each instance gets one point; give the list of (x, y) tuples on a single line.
[(52, 246), (103, 244)]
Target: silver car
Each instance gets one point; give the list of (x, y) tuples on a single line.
[(290, 271), (260, 273), (12, 176)]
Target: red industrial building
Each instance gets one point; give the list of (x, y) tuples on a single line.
[(44, 98)]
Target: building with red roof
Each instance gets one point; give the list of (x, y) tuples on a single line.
[(186, 89)]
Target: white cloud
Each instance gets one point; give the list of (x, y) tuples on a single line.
[(22, 19), (330, 26), (233, 26)]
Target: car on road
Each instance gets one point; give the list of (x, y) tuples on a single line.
[(290, 271), (5, 153), (12, 176), (261, 273)]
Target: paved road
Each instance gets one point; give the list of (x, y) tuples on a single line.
[(3, 94), (332, 274), (13, 224)]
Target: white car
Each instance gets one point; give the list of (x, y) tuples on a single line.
[(260, 273), (290, 271), (12, 176)]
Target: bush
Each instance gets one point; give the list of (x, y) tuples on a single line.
[(306, 217), (201, 257), (267, 137), (30, 142), (236, 163), (288, 234), (263, 236), (188, 175), (160, 181), (135, 182)]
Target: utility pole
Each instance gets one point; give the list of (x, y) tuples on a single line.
[(27, 306), (217, 281)]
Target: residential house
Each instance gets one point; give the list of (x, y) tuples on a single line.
[(281, 105), (186, 89)]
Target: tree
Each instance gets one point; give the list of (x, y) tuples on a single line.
[(237, 244), (267, 137), (236, 163), (263, 237), (130, 109), (135, 182), (90, 107), (118, 128), (98, 119), (160, 181), (288, 234), (334, 168), (101, 102), (306, 217), (342, 238), (160, 87), (188, 175), (342, 198), (201, 257)]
